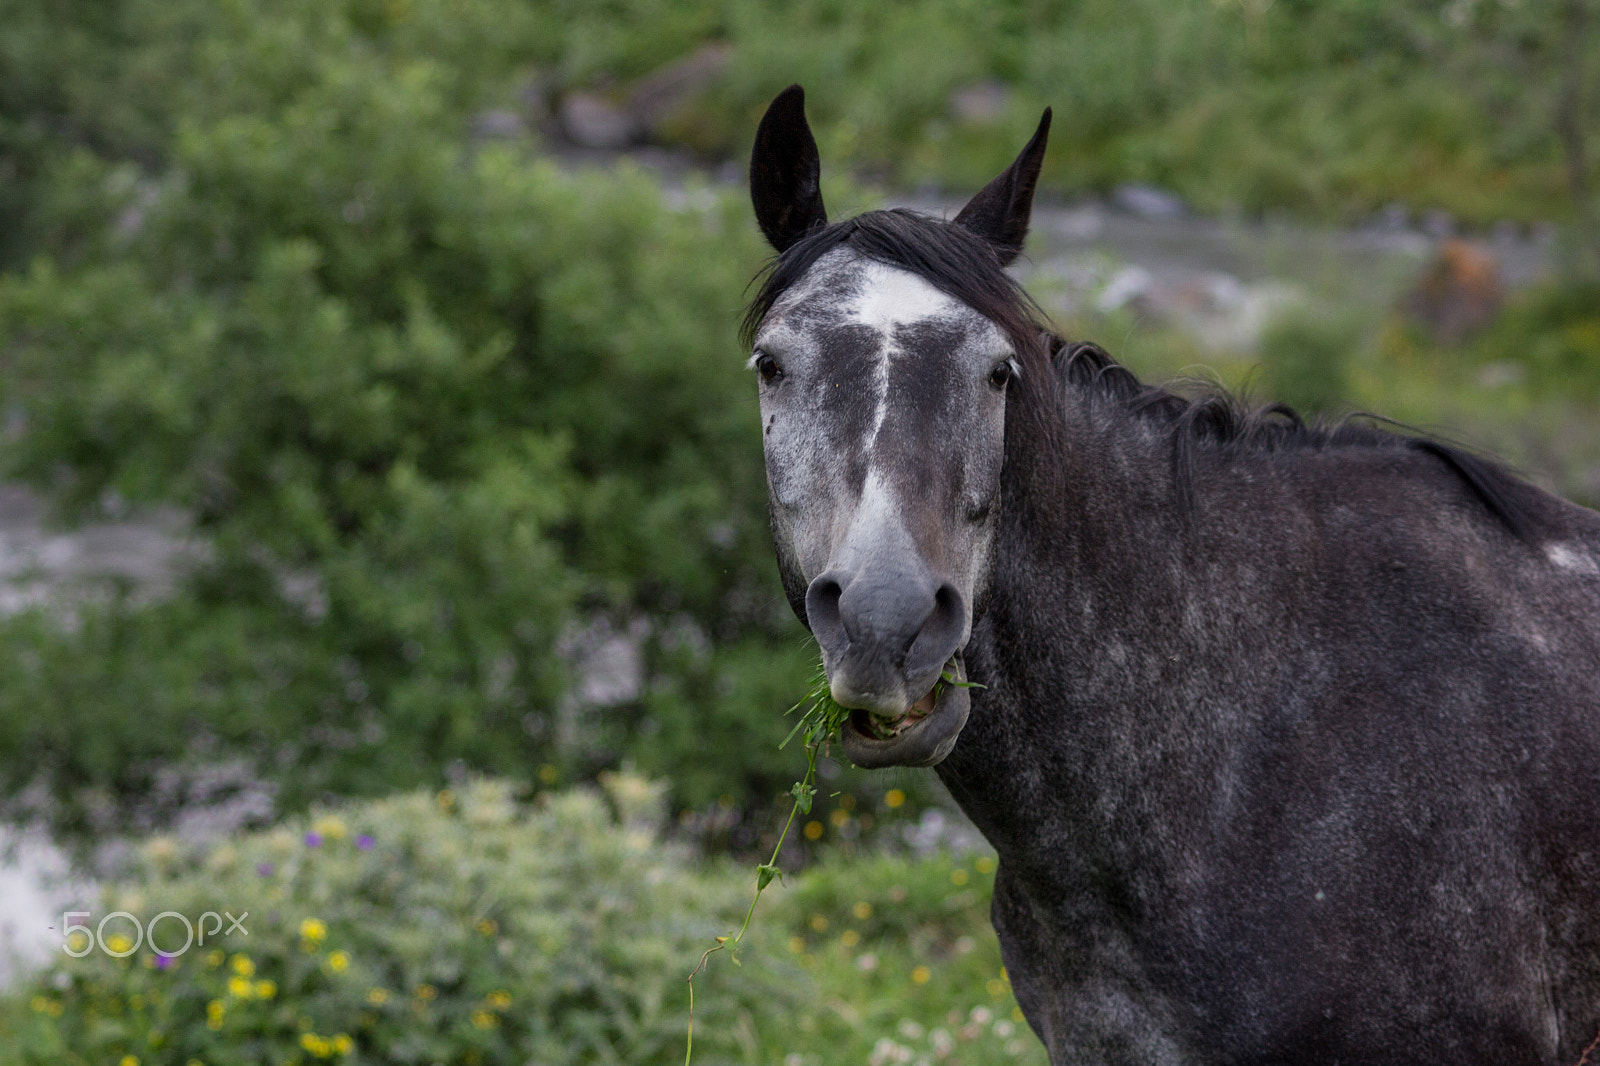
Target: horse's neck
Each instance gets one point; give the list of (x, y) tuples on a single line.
[(1091, 561)]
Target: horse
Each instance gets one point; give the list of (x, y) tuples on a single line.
[(1286, 733)]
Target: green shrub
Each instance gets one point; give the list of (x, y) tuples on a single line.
[(465, 927), (1306, 354), (1552, 333), (474, 927), (433, 404)]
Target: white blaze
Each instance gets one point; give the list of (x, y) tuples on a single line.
[(890, 298)]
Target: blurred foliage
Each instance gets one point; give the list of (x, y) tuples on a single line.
[(475, 927), (1550, 337), (445, 927), (1304, 353), (905, 963), (1336, 109)]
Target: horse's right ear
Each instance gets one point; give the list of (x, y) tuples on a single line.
[(785, 172)]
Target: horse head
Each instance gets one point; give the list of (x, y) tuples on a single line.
[(888, 349)]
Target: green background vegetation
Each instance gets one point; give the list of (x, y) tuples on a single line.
[(438, 401)]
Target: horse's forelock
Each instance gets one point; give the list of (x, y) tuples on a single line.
[(951, 259)]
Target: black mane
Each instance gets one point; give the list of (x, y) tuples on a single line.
[(964, 266)]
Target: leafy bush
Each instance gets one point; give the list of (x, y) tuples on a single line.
[(433, 404), (474, 927), (465, 927), (1552, 333), (1305, 354)]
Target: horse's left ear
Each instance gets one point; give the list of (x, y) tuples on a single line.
[(1000, 211), (785, 172)]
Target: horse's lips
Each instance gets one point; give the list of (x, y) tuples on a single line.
[(886, 729), (921, 736)]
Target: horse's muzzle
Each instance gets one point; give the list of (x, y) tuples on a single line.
[(885, 636), (924, 741)]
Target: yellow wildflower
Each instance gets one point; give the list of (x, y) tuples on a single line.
[(240, 987), (242, 965), (499, 1000), (313, 929), (339, 961), (117, 944), (482, 1019), (894, 798), (128, 1060), (862, 910), (377, 996), (920, 975), (426, 992), (331, 827), (266, 989), (343, 1044)]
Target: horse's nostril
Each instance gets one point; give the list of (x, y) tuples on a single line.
[(823, 615), (941, 633)]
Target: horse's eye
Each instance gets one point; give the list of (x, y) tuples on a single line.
[(1000, 376), (768, 367)]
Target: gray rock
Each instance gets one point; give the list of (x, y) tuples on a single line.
[(666, 91), (1147, 201), (1440, 225), (499, 125), (37, 884), (592, 121)]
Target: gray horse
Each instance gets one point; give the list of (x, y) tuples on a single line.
[(1288, 736)]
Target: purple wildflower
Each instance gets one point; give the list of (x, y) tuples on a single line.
[(163, 961), (264, 869), (365, 841), (313, 840)]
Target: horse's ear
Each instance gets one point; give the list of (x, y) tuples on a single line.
[(1000, 211), (785, 172)]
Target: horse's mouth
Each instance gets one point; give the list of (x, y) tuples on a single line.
[(921, 735)]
